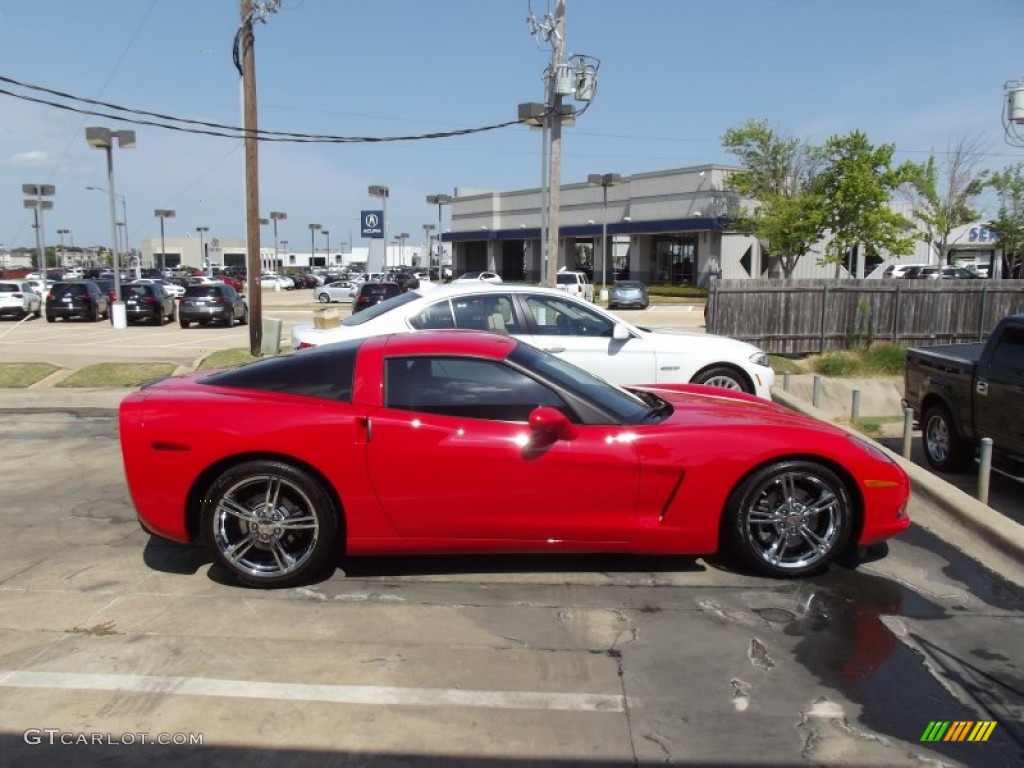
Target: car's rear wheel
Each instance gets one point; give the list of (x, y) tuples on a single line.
[(184, 323), (270, 524), (943, 448), (230, 319), (790, 518), (724, 377), (245, 317), (51, 319), (324, 298), (94, 314)]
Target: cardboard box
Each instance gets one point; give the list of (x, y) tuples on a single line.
[(326, 318)]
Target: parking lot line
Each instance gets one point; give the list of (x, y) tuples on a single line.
[(374, 695)]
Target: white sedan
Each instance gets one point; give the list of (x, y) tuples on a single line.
[(339, 290), (473, 277), (276, 281), (567, 327)]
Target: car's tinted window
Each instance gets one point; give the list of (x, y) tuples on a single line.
[(207, 291), (555, 316), (1008, 356), (631, 285), (69, 289), (379, 309), (9, 288), (325, 372), (482, 312), (477, 389)]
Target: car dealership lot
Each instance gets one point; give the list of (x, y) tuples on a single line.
[(460, 660)]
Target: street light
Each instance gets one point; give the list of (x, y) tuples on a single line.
[(276, 216), (202, 249), (103, 138), (439, 200), (605, 180), (38, 205), (60, 234), (427, 229), (402, 237), (312, 242), (327, 236), (124, 214), (163, 213), (382, 192)]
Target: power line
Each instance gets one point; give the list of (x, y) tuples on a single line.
[(170, 122)]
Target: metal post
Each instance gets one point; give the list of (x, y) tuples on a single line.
[(855, 408), (908, 432), (785, 381), (816, 396), (984, 469)]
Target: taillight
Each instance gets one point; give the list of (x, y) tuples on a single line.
[(49, 297), (303, 345), (219, 300), (150, 300)]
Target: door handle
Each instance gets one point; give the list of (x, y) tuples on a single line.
[(554, 350), (367, 427), (982, 388)]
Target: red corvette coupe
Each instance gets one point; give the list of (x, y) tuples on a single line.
[(464, 441)]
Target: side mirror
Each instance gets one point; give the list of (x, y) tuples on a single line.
[(548, 425), (621, 332)]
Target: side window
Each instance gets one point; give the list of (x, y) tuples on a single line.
[(555, 316), (436, 316), (485, 312), (1008, 357), (469, 388)]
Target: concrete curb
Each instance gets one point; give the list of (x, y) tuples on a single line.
[(983, 534)]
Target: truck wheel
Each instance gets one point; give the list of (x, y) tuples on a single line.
[(943, 447)]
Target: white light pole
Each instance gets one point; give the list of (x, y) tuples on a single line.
[(276, 216), (427, 229), (163, 213), (439, 200), (401, 238), (383, 192), (103, 138), (605, 180), (202, 248), (38, 205)]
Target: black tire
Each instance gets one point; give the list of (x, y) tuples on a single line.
[(184, 323), (245, 317), (174, 313), (943, 447), (51, 319), (94, 315), (229, 320), (38, 313), (324, 298), (285, 543), (725, 377), (791, 518)]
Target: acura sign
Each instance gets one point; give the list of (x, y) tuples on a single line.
[(372, 224)]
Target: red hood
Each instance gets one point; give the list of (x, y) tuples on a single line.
[(697, 405)]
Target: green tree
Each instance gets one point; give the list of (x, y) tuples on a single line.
[(942, 193), (1009, 220), (777, 171), (855, 184)]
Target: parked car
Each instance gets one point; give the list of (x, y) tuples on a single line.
[(566, 326), (370, 294), (174, 289), (902, 270), (79, 298), (628, 293), (212, 302), (202, 460), (945, 273), (276, 282), (486, 277), (407, 281), (575, 284), (18, 298), (148, 303), (962, 393), (340, 290)]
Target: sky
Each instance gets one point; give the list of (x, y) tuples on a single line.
[(674, 75)]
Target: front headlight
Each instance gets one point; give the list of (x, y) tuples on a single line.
[(760, 358)]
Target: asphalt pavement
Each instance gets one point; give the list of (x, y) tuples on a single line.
[(994, 538)]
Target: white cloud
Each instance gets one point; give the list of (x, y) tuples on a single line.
[(34, 158)]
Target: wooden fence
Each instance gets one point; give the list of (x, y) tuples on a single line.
[(794, 317)]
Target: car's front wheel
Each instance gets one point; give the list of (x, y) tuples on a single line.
[(270, 524), (790, 518), (724, 377), (943, 448)]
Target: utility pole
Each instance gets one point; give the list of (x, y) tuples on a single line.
[(554, 174), (252, 193)]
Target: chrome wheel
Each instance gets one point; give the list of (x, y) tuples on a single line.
[(943, 448), (269, 524), (791, 518), (936, 436)]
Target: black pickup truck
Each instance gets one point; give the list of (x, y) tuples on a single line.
[(962, 393)]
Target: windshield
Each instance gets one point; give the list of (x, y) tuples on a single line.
[(380, 309), (625, 407)]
